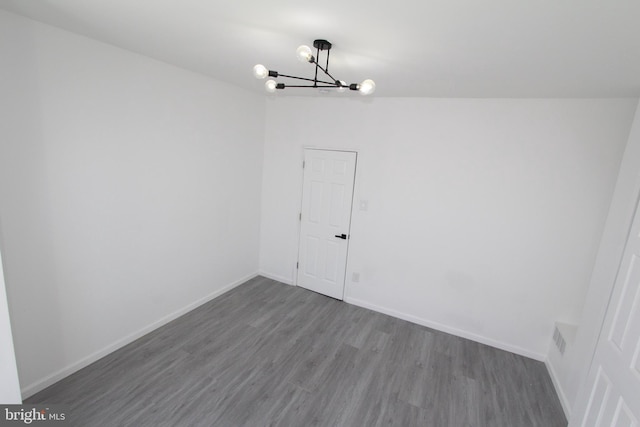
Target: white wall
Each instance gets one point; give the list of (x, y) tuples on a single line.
[(572, 370), (9, 385), (129, 190), (484, 216)]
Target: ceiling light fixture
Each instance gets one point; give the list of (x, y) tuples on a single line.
[(305, 54)]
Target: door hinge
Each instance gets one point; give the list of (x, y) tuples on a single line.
[(300, 217), (303, 164), (297, 264)]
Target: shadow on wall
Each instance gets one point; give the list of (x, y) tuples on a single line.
[(26, 233)]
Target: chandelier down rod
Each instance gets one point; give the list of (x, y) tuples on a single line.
[(305, 54)]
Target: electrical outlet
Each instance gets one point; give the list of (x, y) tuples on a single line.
[(355, 277)]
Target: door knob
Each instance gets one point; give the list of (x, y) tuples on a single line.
[(341, 236)]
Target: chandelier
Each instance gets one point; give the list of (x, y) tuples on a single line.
[(305, 54)]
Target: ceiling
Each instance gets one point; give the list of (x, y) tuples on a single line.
[(426, 48)]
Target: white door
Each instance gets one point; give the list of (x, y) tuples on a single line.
[(613, 384), (327, 196)]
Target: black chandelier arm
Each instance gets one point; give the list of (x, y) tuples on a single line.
[(317, 86), (306, 79), (324, 70), (326, 67), (315, 78)]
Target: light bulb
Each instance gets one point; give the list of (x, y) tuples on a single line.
[(343, 86), (304, 53), (367, 87), (260, 71), (270, 85)]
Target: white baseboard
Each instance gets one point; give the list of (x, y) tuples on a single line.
[(566, 407), (56, 376), (444, 328), (277, 278)]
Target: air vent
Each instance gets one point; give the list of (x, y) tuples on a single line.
[(564, 334), (561, 344)]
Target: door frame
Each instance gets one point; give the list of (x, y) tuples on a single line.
[(353, 197)]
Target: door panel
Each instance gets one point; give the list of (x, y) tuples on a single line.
[(614, 377), (327, 199)]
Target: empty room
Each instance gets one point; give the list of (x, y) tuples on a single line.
[(335, 214)]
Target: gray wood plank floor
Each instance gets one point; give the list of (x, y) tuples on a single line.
[(268, 354)]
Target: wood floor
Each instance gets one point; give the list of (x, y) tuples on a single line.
[(268, 354)]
